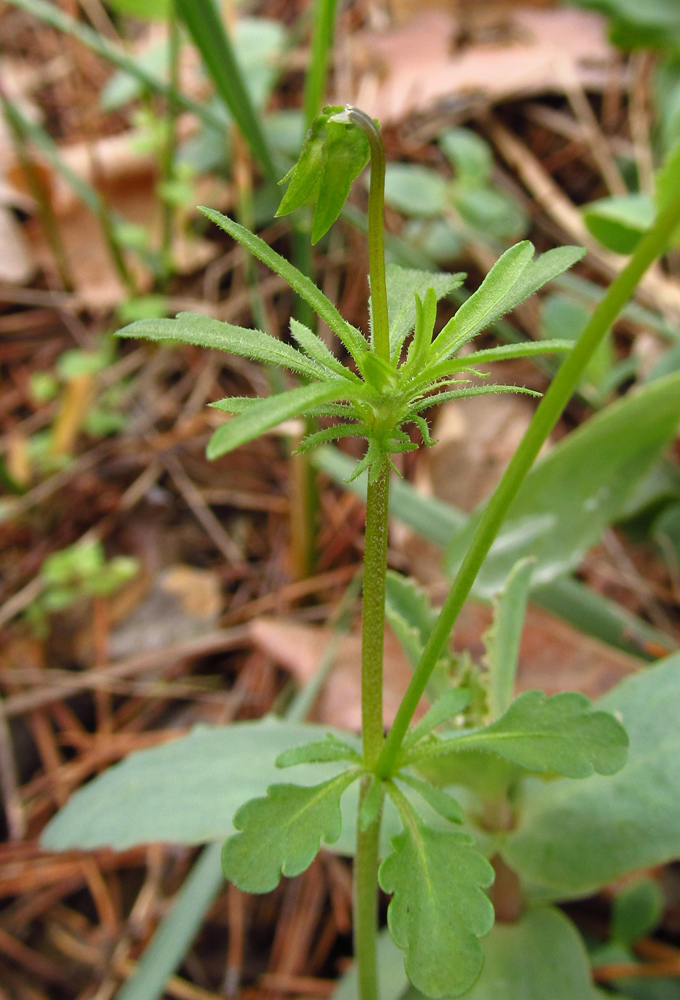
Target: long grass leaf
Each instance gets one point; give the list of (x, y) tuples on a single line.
[(210, 38)]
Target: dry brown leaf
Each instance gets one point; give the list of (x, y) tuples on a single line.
[(16, 266), (412, 69), (300, 648), (553, 655)]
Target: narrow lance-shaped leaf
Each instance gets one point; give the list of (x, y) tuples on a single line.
[(270, 412), (476, 311), (320, 752), (562, 733), (445, 708), (281, 834), (439, 909), (501, 640), (437, 799), (300, 283), (203, 331), (403, 284), (318, 351)]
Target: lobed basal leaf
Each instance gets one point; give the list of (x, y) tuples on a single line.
[(563, 734), (439, 909), (281, 833)]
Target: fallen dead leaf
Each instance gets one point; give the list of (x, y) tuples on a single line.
[(299, 649), (553, 655), (414, 68)]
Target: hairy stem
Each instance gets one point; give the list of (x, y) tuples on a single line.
[(373, 616), (547, 414), (366, 904), (376, 229)]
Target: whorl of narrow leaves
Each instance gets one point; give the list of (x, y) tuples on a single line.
[(438, 909), (563, 734), (281, 834)]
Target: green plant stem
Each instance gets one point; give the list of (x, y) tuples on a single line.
[(547, 414), (373, 615), (168, 161), (366, 903), (376, 230), (322, 44)]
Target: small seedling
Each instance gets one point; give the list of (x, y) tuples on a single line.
[(78, 572)]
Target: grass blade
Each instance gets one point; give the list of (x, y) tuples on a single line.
[(210, 38)]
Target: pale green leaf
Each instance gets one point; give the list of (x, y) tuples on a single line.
[(469, 155), (563, 734), (441, 802), (403, 284), (270, 412), (636, 911), (203, 331), (320, 752), (415, 190), (185, 791), (601, 462), (447, 706), (300, 283), (482, 307), (540, 957), (620, 221), (574, 837), (439, 909), (281, 833), (506, 352), (501, 640)]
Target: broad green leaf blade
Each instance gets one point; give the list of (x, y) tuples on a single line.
[(192, 328), (637, 910), (270, 412), (300, 283), (541, 957), (482, 307), (185, 791), (469, 155), (207, 31), (438, 910), (620, 222), (321, 752), (403, 284), (565, 597), (575, 837), (318, 351), (501, 641), (563, 734), (601, 461), (281, 834), (441, 802), (415, 190)]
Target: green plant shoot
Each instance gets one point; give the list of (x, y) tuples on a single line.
[(381, 390)]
